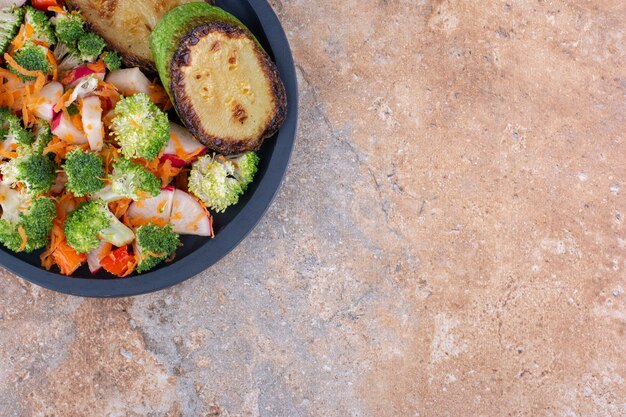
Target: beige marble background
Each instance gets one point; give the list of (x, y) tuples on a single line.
[(450, 239)]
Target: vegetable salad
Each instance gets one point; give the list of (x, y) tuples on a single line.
[(93, 171)]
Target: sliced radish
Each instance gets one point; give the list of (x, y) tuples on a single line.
[(189, 216), (48, 97), (63, 127), (182, 148), (83, 89), (129, 81), (92, 122), (156, 209), (97, 255), (75, 76)]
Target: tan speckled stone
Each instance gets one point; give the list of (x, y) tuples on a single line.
[(449, 240)]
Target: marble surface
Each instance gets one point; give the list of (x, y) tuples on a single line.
[(450, 239)]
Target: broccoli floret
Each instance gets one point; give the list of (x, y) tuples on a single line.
[(42, 27), (43, 136), (90, 46), (112, 60), (85, 172), (246, 166), (10, 21), (67, 59), (11, 129), (25, 224), (140, 127), (4, 125), (69, 28), (130, 180), (33, 58), (153, 245), (34, 170), (92, 222), (219, 181)]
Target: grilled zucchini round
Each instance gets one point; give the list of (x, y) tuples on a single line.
[(225, 88)]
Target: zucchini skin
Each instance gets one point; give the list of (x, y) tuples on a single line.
[(176, 24), (185, 108)]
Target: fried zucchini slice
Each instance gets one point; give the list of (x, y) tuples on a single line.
[(225, 88), (126, 25)]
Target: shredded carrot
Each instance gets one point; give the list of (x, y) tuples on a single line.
[(65, 97), (120, 207), (60, 148), (110, 155), (159, 96), (57, 9), (54, 64), (22, 234), (19, 39), (77, 122), (166, 172), (67, 259), (58, 252), (98, 66), (7, 154)]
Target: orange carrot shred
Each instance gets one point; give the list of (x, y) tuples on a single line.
[(22, 234)]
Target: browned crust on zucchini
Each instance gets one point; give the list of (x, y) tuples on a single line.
[(227, 146)]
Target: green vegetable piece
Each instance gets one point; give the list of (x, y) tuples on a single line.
[(11, 129), (219, 181), (92, 222), (130, 180), (21, 215), (42, 27), (34, 170), (69, 28), (154, 244), (90, 46), (140, 127), (43, 136), (10, 22), (85, 172), (33, 58), (112, 60)]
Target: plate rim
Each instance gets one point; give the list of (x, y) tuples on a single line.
[(238, 228)]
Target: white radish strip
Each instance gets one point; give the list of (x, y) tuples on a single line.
[(48, 97), (189, 216), (155, 209), (79, 74), (92, 122), (182, 147), (129, 81), (83, 89), (63, 127)]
